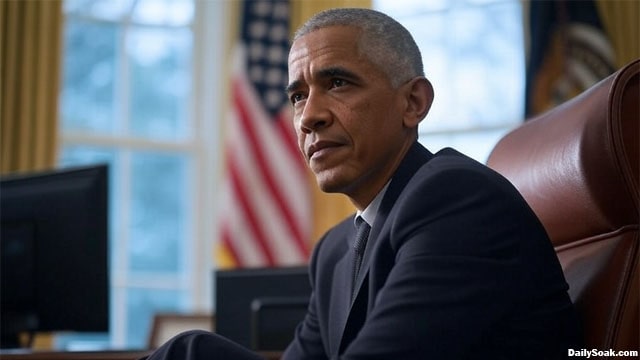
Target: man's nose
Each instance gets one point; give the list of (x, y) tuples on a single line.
[(315, 115)]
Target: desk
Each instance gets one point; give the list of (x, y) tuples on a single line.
[(92, 355), (73, 355)]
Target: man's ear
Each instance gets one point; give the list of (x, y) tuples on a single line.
[(419, 97)]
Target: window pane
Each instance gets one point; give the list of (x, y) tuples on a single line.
[(142, 304), (160, 82), (473, 53), (409, 7), (89, 73), (474, 57), (101, 9), (488, 64), (158, 214), (86, 155), (165, 12)]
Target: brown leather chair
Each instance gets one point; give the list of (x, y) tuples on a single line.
[(578, 167)]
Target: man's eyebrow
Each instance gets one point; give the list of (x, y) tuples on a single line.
[(337, 71), (293, 86), (326, 73)]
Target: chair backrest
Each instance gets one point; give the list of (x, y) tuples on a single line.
[(577, 166)]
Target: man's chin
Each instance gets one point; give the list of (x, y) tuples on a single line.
[(328, 187), (329, 183), (332, 184)]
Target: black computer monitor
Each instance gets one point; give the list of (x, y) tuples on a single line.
[(54, 252), (260, 308)]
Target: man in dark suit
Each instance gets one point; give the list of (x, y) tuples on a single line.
[(448, 261)]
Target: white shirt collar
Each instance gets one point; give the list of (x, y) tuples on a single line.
[(371, 211)]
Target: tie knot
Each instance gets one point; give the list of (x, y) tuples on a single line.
[(362, 233)]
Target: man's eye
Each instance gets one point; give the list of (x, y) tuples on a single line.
[(335, 83), (296, 97)]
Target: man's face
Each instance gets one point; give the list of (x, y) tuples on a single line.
[(347, 116)]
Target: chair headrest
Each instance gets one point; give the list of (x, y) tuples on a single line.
[(577, 165)]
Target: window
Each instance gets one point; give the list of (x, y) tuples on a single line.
[(473, 53), (140, 94)]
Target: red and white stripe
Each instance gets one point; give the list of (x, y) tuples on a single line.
[(266, 212)]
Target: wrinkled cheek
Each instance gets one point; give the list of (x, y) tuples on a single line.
[(322, 171), (301, 139), (300, 136)]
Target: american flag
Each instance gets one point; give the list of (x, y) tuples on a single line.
[(266, 212)]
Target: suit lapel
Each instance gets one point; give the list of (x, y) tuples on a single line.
[(340, 299), (415, 158)]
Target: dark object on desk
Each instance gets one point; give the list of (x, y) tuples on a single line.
[(274, 319), (53, 242), (260, 308), (164, 326)]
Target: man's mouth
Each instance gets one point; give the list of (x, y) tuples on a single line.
[(319, 148)]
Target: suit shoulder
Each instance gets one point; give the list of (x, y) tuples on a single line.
[(458, 170)]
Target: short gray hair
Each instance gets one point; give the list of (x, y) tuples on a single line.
[(385, 41)]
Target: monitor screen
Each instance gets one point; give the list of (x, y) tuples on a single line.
[(274, 320), (54, 252), (260, 308)]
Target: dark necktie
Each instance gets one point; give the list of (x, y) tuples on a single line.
[(362, 234)]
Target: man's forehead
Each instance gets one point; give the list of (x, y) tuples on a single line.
[(341, 39), (324, 64)]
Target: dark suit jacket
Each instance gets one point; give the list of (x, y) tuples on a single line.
[(457, 266)]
